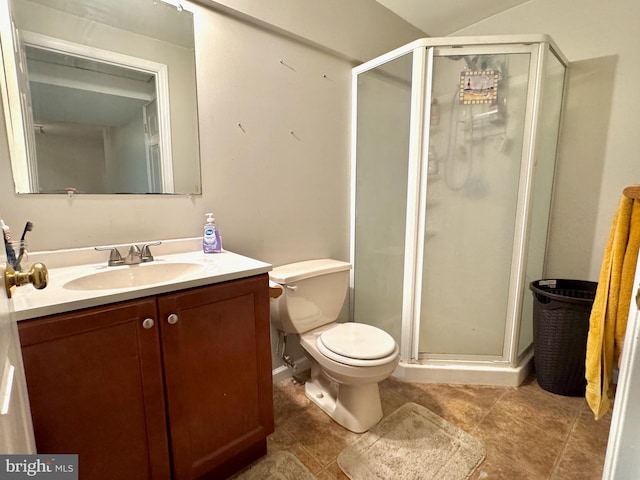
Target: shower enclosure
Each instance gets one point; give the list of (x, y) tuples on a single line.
[(453, 154)]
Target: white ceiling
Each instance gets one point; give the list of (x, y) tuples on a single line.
[(439, 18)]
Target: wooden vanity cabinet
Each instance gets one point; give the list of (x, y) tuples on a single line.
[(96, 389), (217, 370), (189, 396)]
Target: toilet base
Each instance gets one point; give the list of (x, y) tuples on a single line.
[(355, 407)]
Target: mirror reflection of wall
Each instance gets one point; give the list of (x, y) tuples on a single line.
[(102, 124)]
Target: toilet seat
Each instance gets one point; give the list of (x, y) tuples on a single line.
[(357, 344), (358, 340)]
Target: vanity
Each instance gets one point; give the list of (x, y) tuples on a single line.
[(151, 376)]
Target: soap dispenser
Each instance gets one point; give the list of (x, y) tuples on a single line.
[(211, 242)]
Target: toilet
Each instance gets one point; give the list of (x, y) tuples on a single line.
[(348, 360)]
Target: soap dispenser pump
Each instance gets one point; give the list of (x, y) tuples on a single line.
[(211, 242)]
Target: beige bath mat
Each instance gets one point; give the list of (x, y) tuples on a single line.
[(412, 443), (277, 465)]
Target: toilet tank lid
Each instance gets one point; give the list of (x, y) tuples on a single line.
[(294, 272)]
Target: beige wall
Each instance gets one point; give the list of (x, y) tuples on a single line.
[(600, 145), (277, 196)]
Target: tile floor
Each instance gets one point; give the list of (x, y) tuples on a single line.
[(528, 433)]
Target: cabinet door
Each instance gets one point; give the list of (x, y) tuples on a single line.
[(95, 388), (218, 376)]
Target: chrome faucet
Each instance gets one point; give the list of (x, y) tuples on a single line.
[(135, 255)]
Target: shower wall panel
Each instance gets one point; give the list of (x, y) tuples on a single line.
[(383, 116)]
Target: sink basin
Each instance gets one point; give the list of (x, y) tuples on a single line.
[(127, 276)]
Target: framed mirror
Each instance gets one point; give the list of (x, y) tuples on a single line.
[(99, 97)]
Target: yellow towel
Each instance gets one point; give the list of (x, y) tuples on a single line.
[(608, 321)]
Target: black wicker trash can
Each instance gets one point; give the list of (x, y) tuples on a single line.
[(561, 310)]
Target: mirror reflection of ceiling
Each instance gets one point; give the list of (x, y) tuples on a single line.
[(439, 19)]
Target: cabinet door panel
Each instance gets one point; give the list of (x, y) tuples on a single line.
[(95, 388), (218, 374)]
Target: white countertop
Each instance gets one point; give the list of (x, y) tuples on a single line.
[(55, 298)]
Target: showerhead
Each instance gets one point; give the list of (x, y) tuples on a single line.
[(472, 62), (478, 62)]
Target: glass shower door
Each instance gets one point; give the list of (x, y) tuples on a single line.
[(383, 119), (474, 157)]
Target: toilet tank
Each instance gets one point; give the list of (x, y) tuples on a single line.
[(314, 293)]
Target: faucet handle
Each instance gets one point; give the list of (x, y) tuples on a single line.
[(146, 251), (114, 257)]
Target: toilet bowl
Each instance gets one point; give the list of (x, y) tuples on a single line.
[(348, 360), (347, 388)]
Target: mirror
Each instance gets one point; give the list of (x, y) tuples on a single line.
[(99, 96)]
